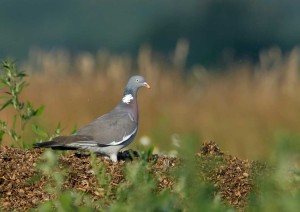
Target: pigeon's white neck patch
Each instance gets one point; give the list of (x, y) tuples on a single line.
[(127, 98)]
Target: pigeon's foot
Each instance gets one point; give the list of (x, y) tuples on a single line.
[(82, 154), (114, 158), (128, 155)]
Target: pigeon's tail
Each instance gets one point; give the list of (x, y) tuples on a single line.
[(53, 144), (47, 144)]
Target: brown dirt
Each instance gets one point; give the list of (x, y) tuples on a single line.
[(232, 177)]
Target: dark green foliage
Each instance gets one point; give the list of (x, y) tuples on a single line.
[(278, 186), (104, 180), (137, 193), (12, 83), (191, 192), (193, 189), (139, 190), (65, 200)]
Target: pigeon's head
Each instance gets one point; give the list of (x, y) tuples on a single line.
[(136, 82)]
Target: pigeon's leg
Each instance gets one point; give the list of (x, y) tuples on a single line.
[(114, 157)]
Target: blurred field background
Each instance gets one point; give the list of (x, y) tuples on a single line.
[(241, 108), (225, 71)]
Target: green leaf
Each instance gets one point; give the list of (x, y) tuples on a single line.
[(12, 133), (39, 111), (21, 74), (3, 125), (57, 130), (74, 129), (39, 131), (21, 86), (5, 82), (6, 104), (21, 106), (147, 154)]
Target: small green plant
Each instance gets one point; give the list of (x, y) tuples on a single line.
[(65, 200), (104, 179), (12, 83), (279, 189), (193, 190), (145, 154), (138, 192), (43, 135)]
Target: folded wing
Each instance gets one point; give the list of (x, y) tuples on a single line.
[(108, 130)]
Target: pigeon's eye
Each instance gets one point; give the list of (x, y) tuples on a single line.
[(137, 80)]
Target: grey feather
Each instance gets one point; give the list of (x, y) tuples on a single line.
[(110, 123), (110, 132)]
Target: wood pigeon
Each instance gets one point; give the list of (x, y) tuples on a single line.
[(110, 132)]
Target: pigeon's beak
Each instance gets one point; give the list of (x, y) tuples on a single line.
[(146, 85)]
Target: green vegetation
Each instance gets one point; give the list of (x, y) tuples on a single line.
[(138, 191), (278, 189), (12, 82), (64, 200)]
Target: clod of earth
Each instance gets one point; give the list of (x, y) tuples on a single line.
[(232, 177)]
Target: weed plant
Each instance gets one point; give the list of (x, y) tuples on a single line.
[(12, 83)]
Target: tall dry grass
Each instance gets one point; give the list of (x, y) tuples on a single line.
[(241, 108)]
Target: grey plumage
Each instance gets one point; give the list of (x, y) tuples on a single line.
[(108, 133)]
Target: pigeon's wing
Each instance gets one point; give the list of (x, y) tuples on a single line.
[(113, 128), (62, 142), (108, 130)]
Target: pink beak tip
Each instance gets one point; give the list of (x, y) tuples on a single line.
[(146, 85)]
